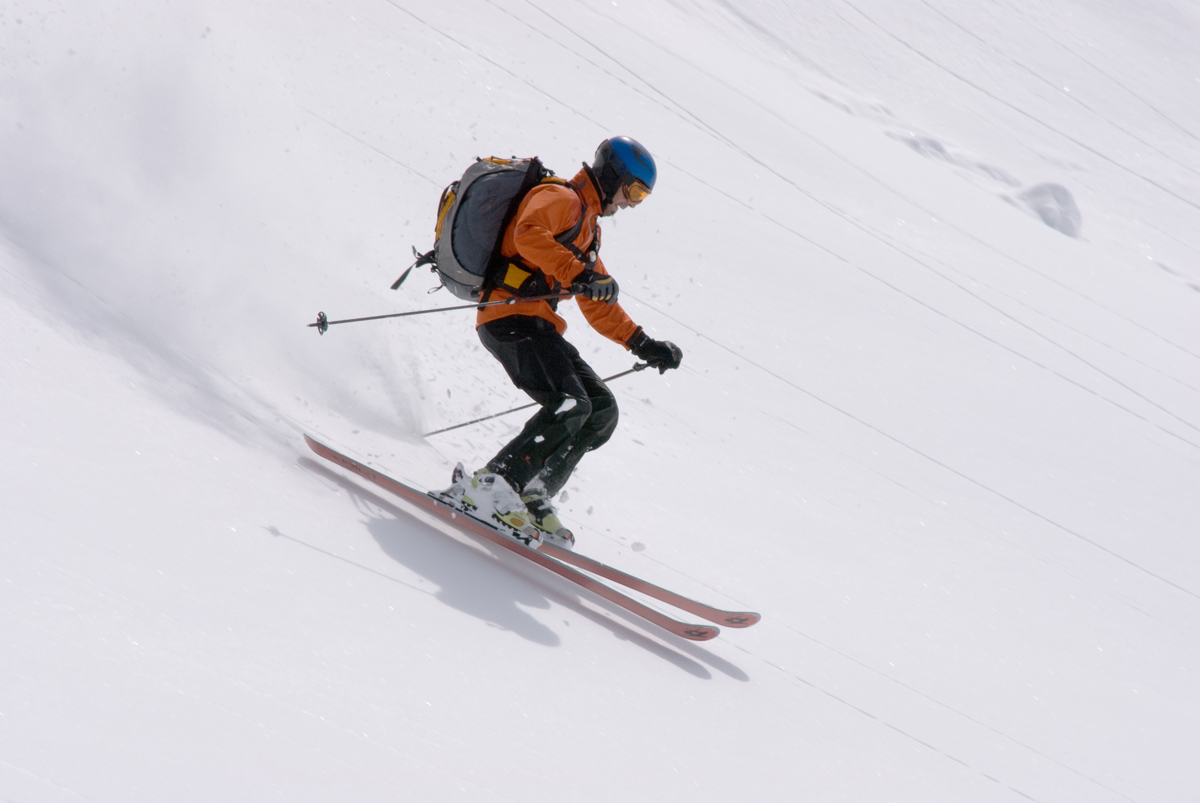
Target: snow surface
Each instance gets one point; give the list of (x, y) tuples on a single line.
[(950, 452)]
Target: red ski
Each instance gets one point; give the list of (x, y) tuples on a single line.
[(728, 618), (480, 529)]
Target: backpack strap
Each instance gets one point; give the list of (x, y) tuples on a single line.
[(522, 279), (592, 249)]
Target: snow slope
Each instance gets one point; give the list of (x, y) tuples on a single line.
[(934, 267)]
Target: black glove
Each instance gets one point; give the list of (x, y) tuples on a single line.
[(660, 354), (597, 286)]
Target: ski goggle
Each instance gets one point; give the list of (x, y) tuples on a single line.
[(636, 192)]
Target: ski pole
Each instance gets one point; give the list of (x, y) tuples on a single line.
[(322, 325), (638, 367)]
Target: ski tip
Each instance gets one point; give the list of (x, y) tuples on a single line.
[(740, 619), (699, 632)]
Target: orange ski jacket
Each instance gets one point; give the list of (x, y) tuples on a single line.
[(548, 211)]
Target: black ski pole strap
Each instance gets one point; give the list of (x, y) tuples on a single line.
[(428, 258), (396, 284)]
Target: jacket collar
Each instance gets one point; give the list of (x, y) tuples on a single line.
[(585, 184)]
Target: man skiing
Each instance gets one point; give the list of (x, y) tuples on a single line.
[(578, 412)]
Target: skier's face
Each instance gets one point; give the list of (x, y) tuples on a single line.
[(619, 201)]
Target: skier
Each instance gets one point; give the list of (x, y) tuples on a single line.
[(578, 412)]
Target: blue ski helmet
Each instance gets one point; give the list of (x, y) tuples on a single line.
[(623, 162)]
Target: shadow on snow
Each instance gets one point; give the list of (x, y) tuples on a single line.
[(490, 584)]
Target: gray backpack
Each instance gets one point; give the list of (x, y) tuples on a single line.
[(473, 214)]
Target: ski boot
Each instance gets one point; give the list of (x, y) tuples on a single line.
[(543, 516), (491, 495), (488, 497)]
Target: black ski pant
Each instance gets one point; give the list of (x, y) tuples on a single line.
[(579, 412)]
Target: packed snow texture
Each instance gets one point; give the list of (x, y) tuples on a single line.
[(950, 454)]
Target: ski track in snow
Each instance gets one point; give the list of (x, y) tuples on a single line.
[(1031, 117), (948, 756), (1060, 93), (940, 464)]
